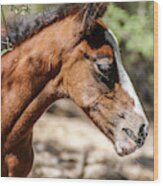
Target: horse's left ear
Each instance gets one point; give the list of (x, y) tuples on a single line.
[(89, 14)]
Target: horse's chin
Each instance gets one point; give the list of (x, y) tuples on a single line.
[(126, 147)]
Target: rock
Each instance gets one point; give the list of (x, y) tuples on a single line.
[(46, 159), (49, 172), (95, 171), (96, 156), (101, 171)]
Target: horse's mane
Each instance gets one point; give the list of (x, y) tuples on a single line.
[(29, 25)]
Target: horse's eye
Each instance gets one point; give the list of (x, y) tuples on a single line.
[(106, 71), (103, 66)]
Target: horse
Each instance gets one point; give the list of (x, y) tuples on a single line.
[(65, 52)]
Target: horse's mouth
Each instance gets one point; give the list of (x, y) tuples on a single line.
[(125, 148), (138, 140), (130, 134)]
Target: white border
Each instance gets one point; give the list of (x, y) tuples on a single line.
[(67, 182)]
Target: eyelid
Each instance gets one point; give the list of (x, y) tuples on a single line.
[(99, 57)]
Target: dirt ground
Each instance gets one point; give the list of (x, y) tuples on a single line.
[(68, 145)]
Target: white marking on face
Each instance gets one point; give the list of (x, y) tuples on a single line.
[(124, 78)]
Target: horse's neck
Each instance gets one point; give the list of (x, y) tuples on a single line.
[(40, 54), (31, 72)]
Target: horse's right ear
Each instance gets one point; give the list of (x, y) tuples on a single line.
[(89, 14)]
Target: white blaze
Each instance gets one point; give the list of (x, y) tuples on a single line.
[(125, 80)]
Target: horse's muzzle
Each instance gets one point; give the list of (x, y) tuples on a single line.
[(129, 145), (140, 138)]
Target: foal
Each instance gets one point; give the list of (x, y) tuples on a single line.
[(68, 54)]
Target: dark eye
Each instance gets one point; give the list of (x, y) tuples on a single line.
[(107, 71), (104, 66)]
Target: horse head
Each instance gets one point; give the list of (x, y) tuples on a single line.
[(96, 81), (81, 62)]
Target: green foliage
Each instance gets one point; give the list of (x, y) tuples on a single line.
[(20, 10), (133, 29)]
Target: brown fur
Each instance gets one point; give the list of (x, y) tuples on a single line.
[(43, 69)]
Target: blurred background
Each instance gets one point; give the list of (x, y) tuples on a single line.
[(66, 143)]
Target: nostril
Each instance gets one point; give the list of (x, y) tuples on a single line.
[(140, 142), (142, 131), (142, 134), (142, 127)]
